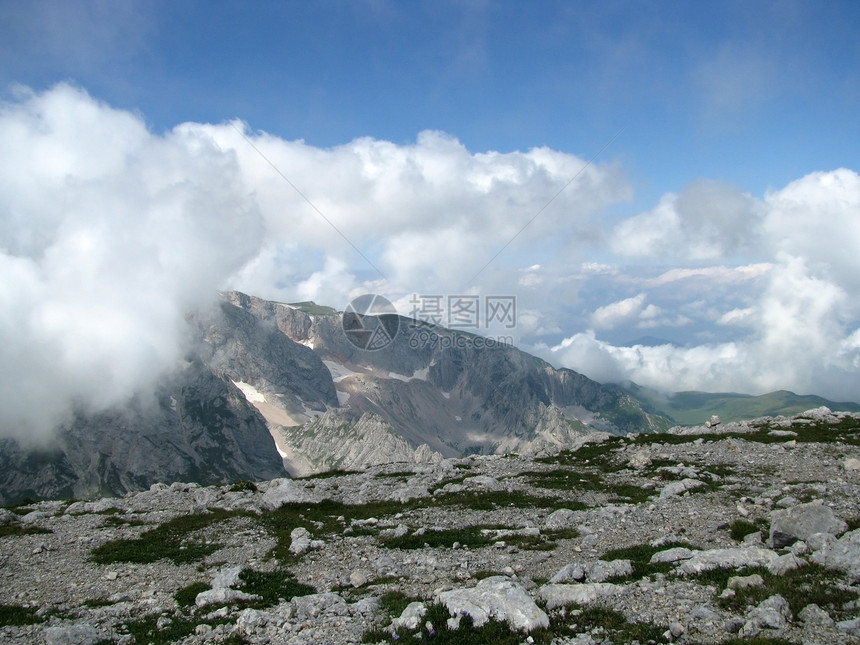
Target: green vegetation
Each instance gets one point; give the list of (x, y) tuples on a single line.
[(97, 602), (566, 479), (813, 583), (567, 621), (174, 540), (594, 454), (273, 586), (471, 536), (145, 630), (608, 623), (329, 473), (640, 558), (758, 640), (694, 408), (312, 308), (400, 474), (243, 486), (739, 529), (21, 529), (17, 615), (434, 629), (185, 596)]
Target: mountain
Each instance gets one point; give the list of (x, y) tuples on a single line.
[(693, 408), (270, 388), (197, 427), (453, 392)]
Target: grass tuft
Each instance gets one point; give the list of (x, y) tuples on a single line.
[(17, 615), (173, 540)]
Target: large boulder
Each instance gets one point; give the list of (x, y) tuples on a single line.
[(496, 597), (801, 522), (727, 559), (559, 595)]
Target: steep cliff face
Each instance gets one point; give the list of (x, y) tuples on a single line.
[(454, 391), (345, 440), (197, 427), (266, 381)]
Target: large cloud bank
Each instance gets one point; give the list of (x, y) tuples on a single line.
[(110, 234), (797, 310)]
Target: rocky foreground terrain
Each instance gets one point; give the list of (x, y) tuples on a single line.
[(737, 533)]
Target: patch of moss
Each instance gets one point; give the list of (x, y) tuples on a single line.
[(17, 615), (243, 486), (173, 540), (7, 530), (273, 586), (328, 474), (813, 583), (609, 623), (185, 596), (470, 536), (640, 557), (740, 528)]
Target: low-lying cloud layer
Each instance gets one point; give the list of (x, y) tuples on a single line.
[(110, 234)]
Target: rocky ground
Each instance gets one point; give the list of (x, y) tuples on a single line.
[(738, 533)]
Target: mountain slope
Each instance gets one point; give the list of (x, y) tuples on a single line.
[(199, 427), (692, 408), (456, 392)]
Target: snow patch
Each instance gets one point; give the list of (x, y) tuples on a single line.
[(250, 392), (458, 418), (447, 395), (420, 375), (342, 397), (339, 371)]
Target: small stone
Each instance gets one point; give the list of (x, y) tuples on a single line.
[(410, 617), (812, 614), (852, 463), (745, 582), (358, 578)]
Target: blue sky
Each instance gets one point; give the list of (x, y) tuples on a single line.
[(723, 218)]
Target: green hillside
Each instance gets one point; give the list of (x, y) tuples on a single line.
[(694, 408)]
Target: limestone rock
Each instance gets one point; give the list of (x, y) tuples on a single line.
[(558, 595), (602, 570), (562, 519), (675, 554), (801, 522), (496, 597), (80, 634), (727, 559), (569, 573), (812, 614), (772, 613), (411, 616), (678, 488)]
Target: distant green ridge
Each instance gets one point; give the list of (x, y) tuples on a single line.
[(310, 307), (695, 408)]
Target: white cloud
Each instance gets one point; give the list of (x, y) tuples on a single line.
[(617, 313), (108, 235), (708, 220), (798, 341)]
